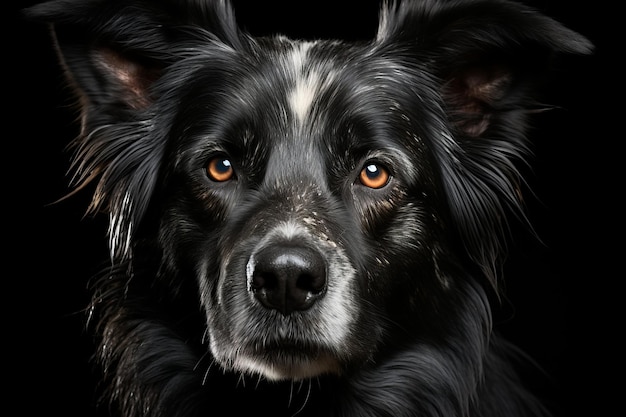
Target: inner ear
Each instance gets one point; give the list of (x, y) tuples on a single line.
[(129, 78), (473, 94)]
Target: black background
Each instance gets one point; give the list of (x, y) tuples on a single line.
[(562, 296)]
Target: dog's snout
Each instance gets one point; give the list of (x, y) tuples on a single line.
[(288, 278)]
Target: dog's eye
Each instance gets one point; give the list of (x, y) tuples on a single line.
[(220, 169), (374, 176)]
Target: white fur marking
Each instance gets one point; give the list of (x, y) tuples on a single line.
[(303, 95), (119, 240)]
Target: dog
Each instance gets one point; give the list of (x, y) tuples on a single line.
[(304, 227)]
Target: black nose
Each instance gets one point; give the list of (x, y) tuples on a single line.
[(288, 278)]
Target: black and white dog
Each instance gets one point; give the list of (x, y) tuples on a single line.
[(304, 227)]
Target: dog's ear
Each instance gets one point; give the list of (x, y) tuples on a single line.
[(486, 58), (488, 53), (114, 53)]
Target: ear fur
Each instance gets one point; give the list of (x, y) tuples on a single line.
[(115, 50), (484, 50), (487, 55)]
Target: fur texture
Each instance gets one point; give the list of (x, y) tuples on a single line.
[(304, 227)]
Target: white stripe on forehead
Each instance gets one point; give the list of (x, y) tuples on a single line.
[(306, 83)]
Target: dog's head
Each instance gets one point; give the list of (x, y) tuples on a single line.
[(322, 195)]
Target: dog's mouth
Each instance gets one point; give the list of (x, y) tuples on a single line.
[(288, 360), (278, 347), (293, 347)]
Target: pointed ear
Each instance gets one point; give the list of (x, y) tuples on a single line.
[(114, 51), (488, 53)]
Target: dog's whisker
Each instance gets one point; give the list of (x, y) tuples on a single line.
[(291, 394), (207, 372), (306, 399), (259, 380), (241, 380)]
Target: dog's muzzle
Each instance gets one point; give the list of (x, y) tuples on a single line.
[(287, 277), (286, 305)]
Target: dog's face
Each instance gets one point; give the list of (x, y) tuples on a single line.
[(325, 199), (302, 197)]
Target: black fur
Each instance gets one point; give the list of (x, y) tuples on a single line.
[(294, 286)]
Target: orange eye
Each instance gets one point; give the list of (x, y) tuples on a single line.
[(374, 176), (220, 169)]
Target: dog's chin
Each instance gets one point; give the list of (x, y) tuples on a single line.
[(283, 363), (288, 367)]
